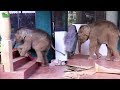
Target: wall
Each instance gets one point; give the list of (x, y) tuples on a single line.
[(44, 20), (60, 19)]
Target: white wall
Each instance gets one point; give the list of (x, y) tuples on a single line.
[(112, 16), (85, 46), (60, 46)]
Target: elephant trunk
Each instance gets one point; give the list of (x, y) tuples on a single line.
[(14, 43)]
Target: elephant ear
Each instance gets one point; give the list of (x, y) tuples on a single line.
[(85, 29)]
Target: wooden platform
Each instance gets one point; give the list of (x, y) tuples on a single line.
[(25, 68), (57, 72)]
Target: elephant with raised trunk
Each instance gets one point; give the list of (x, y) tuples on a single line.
[(100, 32), (36, 39)]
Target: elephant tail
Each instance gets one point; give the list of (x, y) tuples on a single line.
[(57, 50)]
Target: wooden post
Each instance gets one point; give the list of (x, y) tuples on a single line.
[(6, 44), (60, 23)]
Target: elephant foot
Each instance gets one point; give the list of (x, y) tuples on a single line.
[(90, 58), (22, 54), (116, 60), (37, 60), (99, 56), (44, 65), (107, 58), (26, 55), (39, 63)]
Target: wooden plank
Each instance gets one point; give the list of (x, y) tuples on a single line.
[(102, 69)]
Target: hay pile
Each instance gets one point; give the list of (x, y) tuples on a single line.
[(77, 72)]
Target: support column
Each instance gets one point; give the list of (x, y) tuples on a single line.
[(6, 44), (60, 22), (112, 16)]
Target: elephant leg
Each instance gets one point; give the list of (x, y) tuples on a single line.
[(97, 51), (79, 46), (20, 50), (116, 54), (25, 48), (109, 53), (92, 48), (113, 47), (69, 55), (45, 60), (24, 52), (39, 56)]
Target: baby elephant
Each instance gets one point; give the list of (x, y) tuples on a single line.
[(100, 32), (37, 39)]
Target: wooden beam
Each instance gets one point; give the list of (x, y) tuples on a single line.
[(102, 69), (6, 44)]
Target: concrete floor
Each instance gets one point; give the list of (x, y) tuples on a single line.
[(57, 72)]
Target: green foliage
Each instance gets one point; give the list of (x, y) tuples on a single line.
[(71, 21), (71, 17)]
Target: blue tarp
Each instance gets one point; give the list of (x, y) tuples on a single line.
[(71, 39), (118, 45)]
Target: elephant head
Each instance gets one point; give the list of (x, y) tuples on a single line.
[(20, 36), (83, 35)]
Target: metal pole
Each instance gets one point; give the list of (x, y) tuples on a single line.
[(18, 19)]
